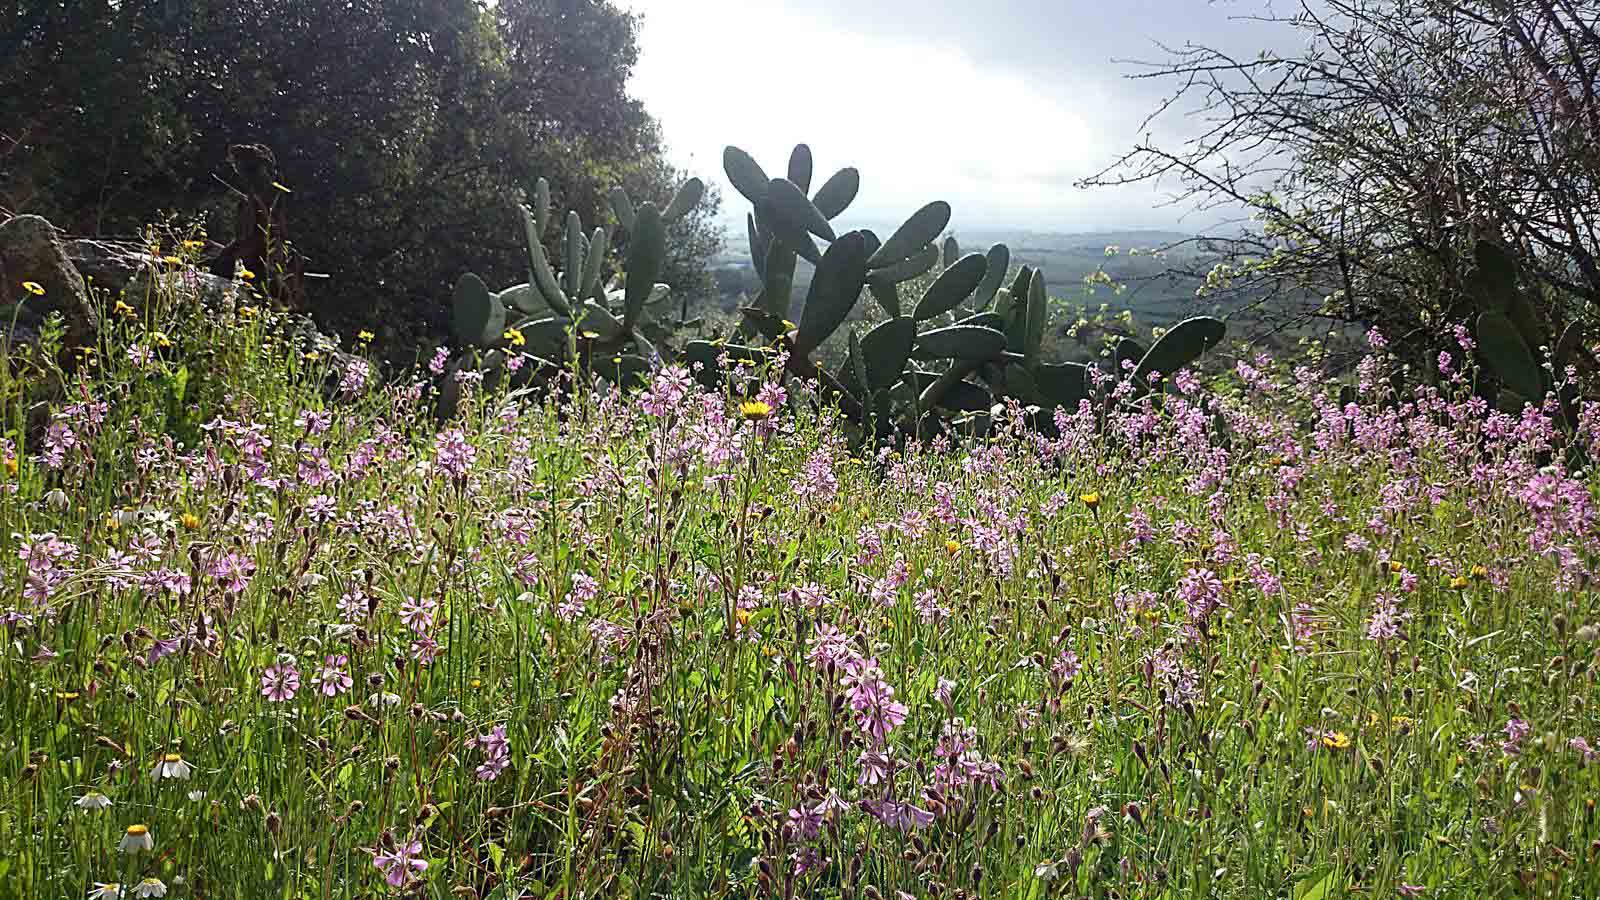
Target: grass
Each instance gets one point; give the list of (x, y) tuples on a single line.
[(1248, 644)]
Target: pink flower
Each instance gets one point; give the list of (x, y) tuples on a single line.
[(332, 677), (397, 867), (280, 682)]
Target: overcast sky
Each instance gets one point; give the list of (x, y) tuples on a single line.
[(998, 106)]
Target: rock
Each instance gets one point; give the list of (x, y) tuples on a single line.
[(31, 250), (125, 269)]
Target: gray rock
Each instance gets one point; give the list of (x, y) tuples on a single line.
[(31, 250), (126, 270)]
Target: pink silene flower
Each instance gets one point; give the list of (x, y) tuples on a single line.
[(417, 614), (453, 453), (280, 682), (496, 749), (1516, 730), (1582, 746), (440, 357), (401, 865), (1410, 890), (898, 815), (333, 679)]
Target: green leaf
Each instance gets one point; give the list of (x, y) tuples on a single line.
[(968, 342), (1062, 384), (800, 167), (907, 269), (1180, 347), (688, 195), (543, 276), (835, 287), (1038, 311), (885, 350), (952, 286), (745, 174), (1509, 357), (541, 205), (952, 251), (788, 231), (523, 297), (622, 207), (790, 202), (837, 192), (572, 248), (477, 318), (594, 266), (647, 252), (994, 275), (924, 226)]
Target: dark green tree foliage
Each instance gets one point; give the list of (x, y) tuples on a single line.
[(402, 128)]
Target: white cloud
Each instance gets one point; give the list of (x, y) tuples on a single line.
[(920, 120)]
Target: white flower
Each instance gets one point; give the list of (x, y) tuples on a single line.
[(172, 766), (138, 837), (105, 890), (197, 795), (150, 887), (92, 800)]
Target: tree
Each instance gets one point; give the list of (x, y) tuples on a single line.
[(1373, 161), (403, 129)]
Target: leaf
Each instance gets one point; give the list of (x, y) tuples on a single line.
[(543, 276), (790, 202), (835, 287), (1179, 347), (924, 226), (593, 266), (476, 317), (791, 233), (688, 195), (1038, 310), (622, 207), (999, 260), (837, 192), (952, 286), (1062, 384), (745, 174), (968, 342), (907, 269), (1508, 356), (800, 167), (885, 350), (647, 251)]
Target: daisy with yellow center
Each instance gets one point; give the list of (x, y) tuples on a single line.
[(172, 766), (136, 838)]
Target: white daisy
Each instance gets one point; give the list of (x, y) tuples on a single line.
[(107, 890), (150, 887), (92, 800), (172, 766), (138, 837)]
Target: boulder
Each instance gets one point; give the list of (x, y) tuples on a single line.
[(31, 251)]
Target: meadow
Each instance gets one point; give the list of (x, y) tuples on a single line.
[(272, 631)]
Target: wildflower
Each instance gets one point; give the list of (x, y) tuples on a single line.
[(280, 682), (34, 288), (172, 766), (1091, 500), (122, 309), (1336, 740), (150, 887), (92, 800), (246, 274), (754, 410), (190, 521), (137, 838), (365, 336), (515, 337), (332, 678), (1409, 890), (105, 890), (952, 547), (398, 865)]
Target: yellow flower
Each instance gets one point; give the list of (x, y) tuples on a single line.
[(363, 336), (246, 274), (123, 309), (1479, 572), (11, 466), (754, 410), (1396, 567), (171, 260), (743, 615), (160, 339), (952, 547), (1091, 500), (313, 355), (1458, 582), (34, 288), (193, 245), (475, 683), (279, 186), (1336, 740), (190, 520), (515, 337), (247, 311)]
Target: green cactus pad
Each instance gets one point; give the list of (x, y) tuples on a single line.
[(544, 278), (523, 298), (477, 317), (1038, 311), (622, 207), (541, 205), (1062, 384), (647, 251), (572, 250), (789, 232), (969, 342), (907, 269), (953, 285), (985, 319), (688, 195), (778, 286), (545, 337), (835, 287), (885, 350), (888, 296), (599, 321), (994, 275), (856, 369), (837, 193), (789, 202), (951, 251), (624, 370), (745, 174), (1509, 357), (594, 266), (800, 167), (965, 396), (924, 227), (1180, 347), (1127, 350)]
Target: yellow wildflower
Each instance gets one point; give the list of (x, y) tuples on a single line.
[(363, 336), (1091, 500), (190, 521), (246, 274), (1336, 740), (34, 288), (515, 337), (754, 410)]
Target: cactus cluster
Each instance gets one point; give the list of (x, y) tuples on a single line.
[(1512, 339), (970, 338), (569, 311)]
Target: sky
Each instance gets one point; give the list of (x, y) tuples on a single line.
[(997, 106)]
